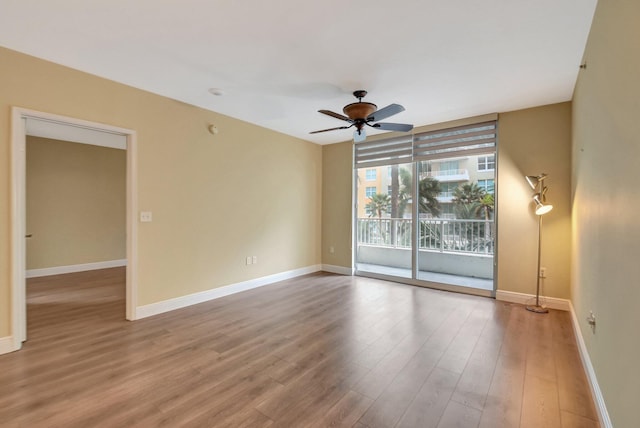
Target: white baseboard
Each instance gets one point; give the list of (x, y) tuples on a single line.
[(7, 344), (601, 408), (525, 299), (216, 293), (340, 270), (34, 273)]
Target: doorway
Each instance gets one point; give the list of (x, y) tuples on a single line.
[(28, 122)]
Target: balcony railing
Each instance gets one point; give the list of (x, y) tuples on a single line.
[(436, 234)]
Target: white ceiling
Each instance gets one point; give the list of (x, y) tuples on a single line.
[(279, 61)]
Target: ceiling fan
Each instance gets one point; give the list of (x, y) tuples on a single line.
[(363, 114)]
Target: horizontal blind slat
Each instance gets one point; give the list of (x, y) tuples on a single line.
[(487, 142), (398, 153), (421, 139), (480, 151)]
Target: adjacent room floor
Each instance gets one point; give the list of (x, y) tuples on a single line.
[(320, 350)]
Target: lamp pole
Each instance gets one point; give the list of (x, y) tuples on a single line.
[(537, 308)]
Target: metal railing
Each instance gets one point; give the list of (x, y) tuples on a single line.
[(437, 234)]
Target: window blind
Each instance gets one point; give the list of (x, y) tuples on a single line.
[(390, 151), (476, 139)]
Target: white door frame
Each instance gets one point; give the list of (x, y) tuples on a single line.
[(18, 213)]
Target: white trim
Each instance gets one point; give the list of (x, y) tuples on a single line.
[(525, 299), (132, 226), (57, 270), (7, 344), (65, 131), (340, 270), (18, 222), (601, 407), (216, 293), (19, 117)]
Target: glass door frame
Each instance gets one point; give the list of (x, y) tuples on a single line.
[(415, 230)]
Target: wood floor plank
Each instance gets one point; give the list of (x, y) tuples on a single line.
[(314, 351), (570, 420), (503, 405), (457, 415), (431, 401), (540, 405), (346, 412), (474, 383)]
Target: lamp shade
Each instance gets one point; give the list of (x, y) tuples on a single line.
[(541, 208), (534, 180)]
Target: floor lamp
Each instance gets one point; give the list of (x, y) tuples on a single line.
[(537, 184)]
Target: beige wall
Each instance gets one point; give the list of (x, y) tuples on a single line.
[(530, 141), (76, 203), (215, 199), (533, 141), (337, 179), (606, 203)]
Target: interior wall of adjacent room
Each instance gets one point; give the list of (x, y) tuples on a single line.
[(215, 199), (76, 203), (606, 230)]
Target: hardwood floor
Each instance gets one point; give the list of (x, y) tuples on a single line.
[(317, 351)]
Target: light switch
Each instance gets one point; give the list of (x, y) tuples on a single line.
[(145, 216)]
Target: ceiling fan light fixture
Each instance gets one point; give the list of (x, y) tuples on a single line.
[(359, 135)]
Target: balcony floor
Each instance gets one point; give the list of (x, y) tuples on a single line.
[(463, 281)]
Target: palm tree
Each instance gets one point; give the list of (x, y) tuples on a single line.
[(395, 202), (405, 190), (428, 190), (484, 208), (473, 202), (468, 194), (378, 204)]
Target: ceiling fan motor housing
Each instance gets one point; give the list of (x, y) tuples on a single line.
[(359, 110)]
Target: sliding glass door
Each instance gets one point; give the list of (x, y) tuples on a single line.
[(425, 208), (384, 219)]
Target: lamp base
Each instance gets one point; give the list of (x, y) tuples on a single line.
[(537, 309)]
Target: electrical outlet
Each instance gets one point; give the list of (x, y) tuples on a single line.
[(254, 259), (543, 272), (146, 216), (249, 260), (591, 319), (332, 250)]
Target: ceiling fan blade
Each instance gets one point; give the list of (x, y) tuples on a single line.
[(385, 112), (402, 127), (330, 129), (359, 135), (334, 114)]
